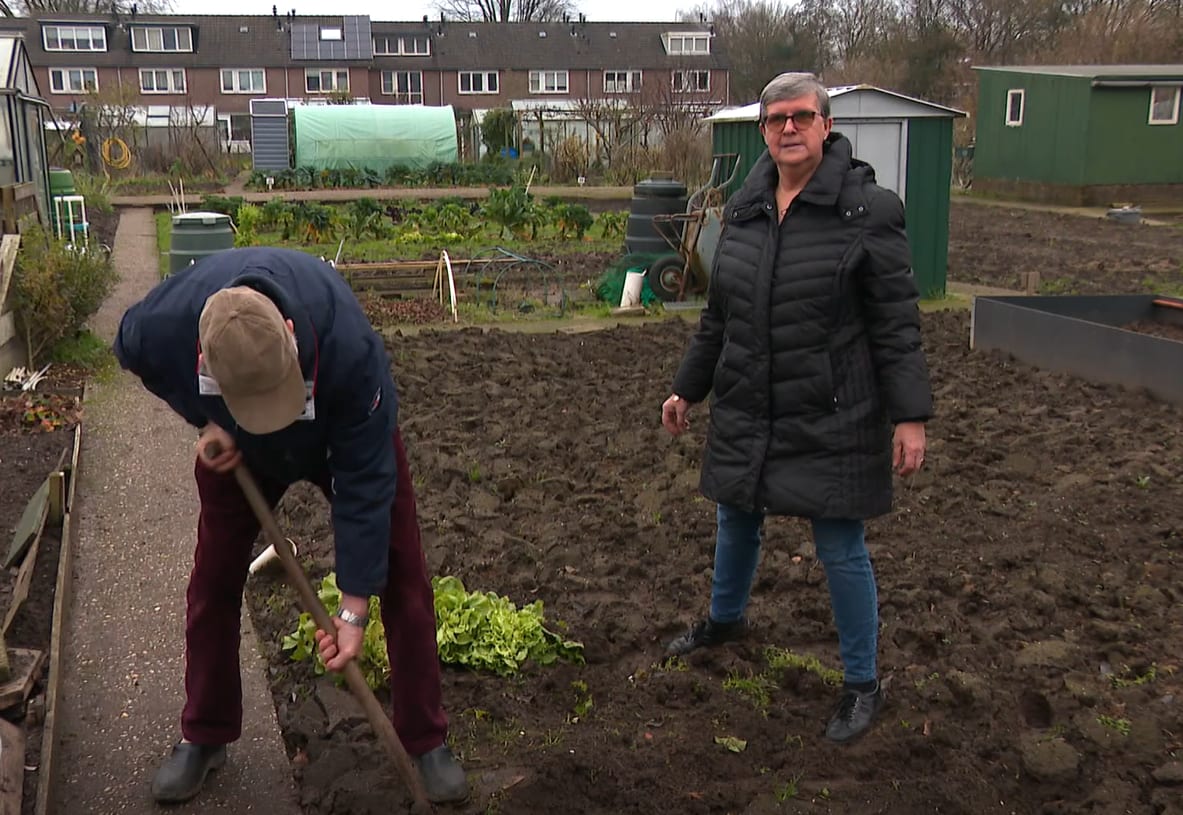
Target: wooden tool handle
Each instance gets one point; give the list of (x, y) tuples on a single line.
[(309, 601)]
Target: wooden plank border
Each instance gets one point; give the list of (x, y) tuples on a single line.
[(62, 598)]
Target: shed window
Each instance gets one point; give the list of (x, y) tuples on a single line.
[(1015, 104), (1164, 105)]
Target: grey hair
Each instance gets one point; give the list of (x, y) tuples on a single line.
[(791, 85)]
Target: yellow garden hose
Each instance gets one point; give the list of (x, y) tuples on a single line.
[(123, 158)]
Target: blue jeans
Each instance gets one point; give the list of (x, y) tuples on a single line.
[(842, 550)]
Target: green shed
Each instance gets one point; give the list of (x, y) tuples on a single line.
[(1080, 134), (908, 141)]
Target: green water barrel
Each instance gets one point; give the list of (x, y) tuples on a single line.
[(197, 234), (61, 182), (653, 196)]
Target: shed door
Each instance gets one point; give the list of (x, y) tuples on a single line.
[(882, 145)]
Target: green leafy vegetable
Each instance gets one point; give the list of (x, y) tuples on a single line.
[(484, 631), (477, 630)]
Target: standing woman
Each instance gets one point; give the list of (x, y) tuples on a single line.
[(809, 346)]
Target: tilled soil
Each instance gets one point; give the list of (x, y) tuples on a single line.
[(1030, 635), (994, 246)]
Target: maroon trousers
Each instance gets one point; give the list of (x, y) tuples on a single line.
[(226, 532)]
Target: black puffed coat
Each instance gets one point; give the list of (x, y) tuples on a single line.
[(809, 345)]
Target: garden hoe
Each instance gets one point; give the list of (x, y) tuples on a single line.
[(311, 603)]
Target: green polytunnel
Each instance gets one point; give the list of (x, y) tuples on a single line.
[(375, 137)]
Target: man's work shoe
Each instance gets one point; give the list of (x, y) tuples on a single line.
[(181, 775), (705, 633), (854, 714), (443, 777)]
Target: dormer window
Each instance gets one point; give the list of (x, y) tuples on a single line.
[(688, 44), (161, 39), (405, 45), (74, 37), (331, 33)]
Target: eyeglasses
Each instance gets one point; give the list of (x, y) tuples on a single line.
[(802, 119)]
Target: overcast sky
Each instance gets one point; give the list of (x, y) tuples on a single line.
[(596, 10)]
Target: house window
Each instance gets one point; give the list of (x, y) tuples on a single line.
[(235, 127), (244, 80), (622, 81), (161, 39), (330, 33), (73, 80), (688, 44), (405, 86), (548, 82), (402, 46), (75, 38), (326, 81), (691, 81), (478, 82), (162, 80), (1015, 104), (1164, 105)]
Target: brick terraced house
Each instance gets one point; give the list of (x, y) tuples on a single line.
[(213, 66)]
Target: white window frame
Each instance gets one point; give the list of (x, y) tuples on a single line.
[(686, 72), (1021, 95), (147, 46), (539, 83), (402, 45), (235, 76), (1174, 117), (63, 77), (686, 44), (172, 74), (91, 30), (319, 73), (389, 80), (331, 33), (490, 82), (632, 81)]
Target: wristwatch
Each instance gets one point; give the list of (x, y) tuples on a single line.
[(353, 619)]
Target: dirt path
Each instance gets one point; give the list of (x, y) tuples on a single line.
[(123, 689)]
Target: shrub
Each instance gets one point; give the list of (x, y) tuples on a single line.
[(249, 218), (569, 159), (55, 288), (498, 129), (96, 190)]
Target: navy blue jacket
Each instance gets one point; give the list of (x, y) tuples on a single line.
[(356, 404)]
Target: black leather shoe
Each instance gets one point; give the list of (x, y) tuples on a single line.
[(181, 775), (444, 780), (705, 633), (854, 715)]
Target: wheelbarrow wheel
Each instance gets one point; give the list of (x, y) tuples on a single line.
[(665, 277)]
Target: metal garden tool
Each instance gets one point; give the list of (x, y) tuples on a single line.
[(312, 604)]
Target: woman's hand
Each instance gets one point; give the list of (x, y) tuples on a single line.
[(907, 447), (675, 415)]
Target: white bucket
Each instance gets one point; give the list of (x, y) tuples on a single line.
[(269, 556), (634, 282)]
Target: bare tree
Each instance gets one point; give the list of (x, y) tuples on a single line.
[(34, 8), (1111, 32), (507, 11), (857, 29), (763, 38), (619, 122)]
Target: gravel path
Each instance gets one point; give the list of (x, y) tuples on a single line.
[(123, 682)]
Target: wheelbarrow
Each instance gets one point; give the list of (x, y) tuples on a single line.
[(693, 235)]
